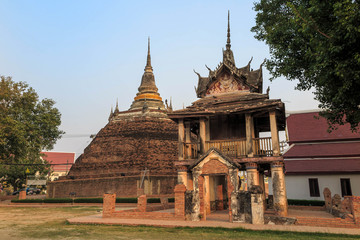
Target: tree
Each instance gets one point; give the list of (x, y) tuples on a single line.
[(27, 126), (317, 43)]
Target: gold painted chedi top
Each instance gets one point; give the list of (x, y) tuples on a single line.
[(148, 95)]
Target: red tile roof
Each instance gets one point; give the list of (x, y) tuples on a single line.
[(322, 166), (62, 161), (343, 149), (304, 127)]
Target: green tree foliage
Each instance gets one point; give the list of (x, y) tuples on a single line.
[(317, 43), (27, 126)]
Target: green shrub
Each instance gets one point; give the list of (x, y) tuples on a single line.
[(126, 200), (27, 200), (88, 200), (299, 202), (153, 200), (58, 200)]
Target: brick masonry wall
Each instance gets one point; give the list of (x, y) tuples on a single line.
[(214, 167), (22, 195), (127, 147), (96, 187), (180, 201), (141, 204), (109, 205), (355, 202)]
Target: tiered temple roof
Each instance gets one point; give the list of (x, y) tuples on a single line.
[(229, 89), (226, 77)]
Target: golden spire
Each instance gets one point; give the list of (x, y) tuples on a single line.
[(148, 92)]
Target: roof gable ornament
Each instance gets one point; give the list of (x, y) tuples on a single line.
[(227, 77)]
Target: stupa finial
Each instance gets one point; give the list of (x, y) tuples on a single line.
[(148, 60)]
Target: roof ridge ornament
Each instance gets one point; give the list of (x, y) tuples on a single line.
[(228, 42), (228, 56), (117, 106)]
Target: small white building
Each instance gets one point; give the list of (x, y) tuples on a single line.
[(317, 159)]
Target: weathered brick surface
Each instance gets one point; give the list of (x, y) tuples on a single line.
[(220, 198), (96, 187), (180, 201), (121, 150), (202, 198), (22, 195), (355, 207), (128, 147), (141, 204), (109, 205), (214, 167), (326, 222)]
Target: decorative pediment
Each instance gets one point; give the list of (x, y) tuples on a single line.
[(215, 158), (226, 83)]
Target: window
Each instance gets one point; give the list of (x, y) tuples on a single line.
[(345, 187), (314, 187)]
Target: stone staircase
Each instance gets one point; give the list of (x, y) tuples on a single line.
[(326, 222)]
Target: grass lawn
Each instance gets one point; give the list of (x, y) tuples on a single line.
[(50, 223)]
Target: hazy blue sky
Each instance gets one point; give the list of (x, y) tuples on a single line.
[(87, 54)]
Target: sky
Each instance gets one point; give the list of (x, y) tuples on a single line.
[(86, 55)]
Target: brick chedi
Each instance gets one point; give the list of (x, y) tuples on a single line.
[(136, 149)]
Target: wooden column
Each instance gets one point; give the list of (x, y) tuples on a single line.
[(249, 134), (187, 140), (207, 131), (202, 135), (181, 138), (274, 134)]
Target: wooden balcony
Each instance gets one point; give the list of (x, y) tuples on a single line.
[(191, 150), (234, 148), (262, 147)]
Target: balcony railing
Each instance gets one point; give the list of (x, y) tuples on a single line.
[(190, 150), (232, 148), (262, 146)]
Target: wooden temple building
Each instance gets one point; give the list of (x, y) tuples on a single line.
[(135, 150), (219, 135)]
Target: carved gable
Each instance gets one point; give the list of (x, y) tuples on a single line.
[(226, 83), (213, 162)]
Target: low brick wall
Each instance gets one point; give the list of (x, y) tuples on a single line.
[(144, 211), (22, 195), (96, 187), (355, 208)]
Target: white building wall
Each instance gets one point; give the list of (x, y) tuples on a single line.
[(297, 186)]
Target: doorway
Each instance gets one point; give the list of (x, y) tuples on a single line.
[(218, 199)]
